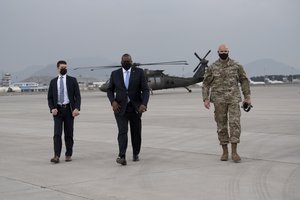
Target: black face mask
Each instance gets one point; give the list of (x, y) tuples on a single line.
[(223, 56), (63, 71), (126, 65)]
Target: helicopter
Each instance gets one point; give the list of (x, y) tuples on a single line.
[(157, 80)]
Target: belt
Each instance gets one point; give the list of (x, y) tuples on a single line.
[(63, 105)]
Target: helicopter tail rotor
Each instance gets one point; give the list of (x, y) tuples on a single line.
[(203, 61)]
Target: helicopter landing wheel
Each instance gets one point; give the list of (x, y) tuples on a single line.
[(189, 90)]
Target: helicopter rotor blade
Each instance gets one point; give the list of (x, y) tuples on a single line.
[(97, 67), (180, 62), (206, 54), (197, 67), (197, 56)]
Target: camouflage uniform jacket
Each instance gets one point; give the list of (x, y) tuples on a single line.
[(221, 81)]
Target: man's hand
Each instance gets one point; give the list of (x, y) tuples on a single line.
[(115, 106), (75, 112), (247, 100), (142, 108), (207, 104), (54, 112)]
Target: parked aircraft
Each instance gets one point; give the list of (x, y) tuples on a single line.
[(157, 80), (268, 81), (10, 89), (256, 82)]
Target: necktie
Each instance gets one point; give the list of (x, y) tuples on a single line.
[(127, 79), (61, 90)]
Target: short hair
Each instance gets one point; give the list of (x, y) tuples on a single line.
[(61, 62), (126, 55)]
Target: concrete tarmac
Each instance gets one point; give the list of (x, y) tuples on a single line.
[(179, 157)]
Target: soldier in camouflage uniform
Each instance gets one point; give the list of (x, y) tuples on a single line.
[(221, 87)]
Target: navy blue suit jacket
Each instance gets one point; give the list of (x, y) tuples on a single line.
[(138, 89), (73, 93)]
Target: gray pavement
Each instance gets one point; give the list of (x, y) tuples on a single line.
[(180, 151)]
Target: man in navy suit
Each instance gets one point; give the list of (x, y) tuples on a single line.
[(64, 103), (128, 93)]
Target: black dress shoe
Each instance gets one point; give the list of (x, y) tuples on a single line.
[(121, 161), (135, 158), (55, 159), (68, 159)]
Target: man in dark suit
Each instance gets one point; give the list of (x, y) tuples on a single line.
[(128, 93), (64, 102)]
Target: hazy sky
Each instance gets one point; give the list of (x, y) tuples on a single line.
[(39, 32)]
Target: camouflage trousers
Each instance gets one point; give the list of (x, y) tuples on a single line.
[(227, 116)]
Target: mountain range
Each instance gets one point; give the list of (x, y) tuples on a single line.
[(43, 74), (269, 67)]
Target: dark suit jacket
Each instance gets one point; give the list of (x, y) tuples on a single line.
[(73, 93), (138, 90)]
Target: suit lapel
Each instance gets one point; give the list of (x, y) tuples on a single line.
[(68, 85), (121, 77), (55, 84), (55, 90)]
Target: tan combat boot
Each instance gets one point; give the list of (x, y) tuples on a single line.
[(224, 156), (234, 155)]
